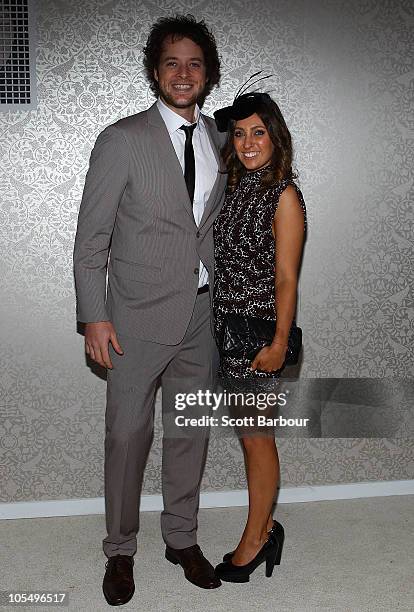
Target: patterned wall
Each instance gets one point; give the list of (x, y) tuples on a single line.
[(343, 75)]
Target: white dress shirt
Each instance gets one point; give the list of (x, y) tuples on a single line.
[(205, 162)]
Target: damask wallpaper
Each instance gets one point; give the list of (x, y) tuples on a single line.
[(343, 77)]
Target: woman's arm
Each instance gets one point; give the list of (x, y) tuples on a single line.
[(288, 230)]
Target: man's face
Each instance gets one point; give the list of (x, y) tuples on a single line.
[(181, 74)]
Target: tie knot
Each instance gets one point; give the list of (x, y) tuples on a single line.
[(188, 129)]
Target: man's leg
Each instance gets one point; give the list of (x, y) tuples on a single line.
[(193, 368), (129, 428)]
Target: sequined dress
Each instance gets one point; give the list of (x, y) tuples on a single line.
[(245, 260)]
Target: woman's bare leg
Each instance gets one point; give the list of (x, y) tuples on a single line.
[(262, 465)]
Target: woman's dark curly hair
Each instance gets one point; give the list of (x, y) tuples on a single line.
[(280, 166), (181, 26)]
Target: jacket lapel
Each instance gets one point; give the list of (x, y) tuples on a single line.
[(221, 178), (164, 147), (165, 150)]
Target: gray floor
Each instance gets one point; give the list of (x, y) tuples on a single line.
[(338, 555)]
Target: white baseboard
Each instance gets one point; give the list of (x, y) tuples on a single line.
[(210, 499)]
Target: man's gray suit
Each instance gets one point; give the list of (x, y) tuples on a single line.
[(136, 209)]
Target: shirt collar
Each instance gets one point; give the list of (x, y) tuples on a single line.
[(173, 120)]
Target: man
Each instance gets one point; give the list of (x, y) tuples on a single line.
[(152, 192)]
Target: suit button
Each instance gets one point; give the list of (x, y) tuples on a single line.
[(198, 234), (196, 270)]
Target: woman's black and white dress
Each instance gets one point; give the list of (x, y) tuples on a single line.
[(245, 260)]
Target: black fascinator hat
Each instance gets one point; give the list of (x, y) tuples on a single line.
[(244, 104)]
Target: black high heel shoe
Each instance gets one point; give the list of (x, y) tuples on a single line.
[(241, 573), (276, 532)]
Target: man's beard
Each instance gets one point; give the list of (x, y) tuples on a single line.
[(183, 103)]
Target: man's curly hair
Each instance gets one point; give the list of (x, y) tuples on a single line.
[(181, 26)]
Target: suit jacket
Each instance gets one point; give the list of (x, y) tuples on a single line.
[(136, 209)]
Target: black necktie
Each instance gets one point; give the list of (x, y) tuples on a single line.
[(189, 161)]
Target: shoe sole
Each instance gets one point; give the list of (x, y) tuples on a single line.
[(120, 603), (238, 580), (226, 558)]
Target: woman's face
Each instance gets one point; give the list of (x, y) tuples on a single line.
[(252, 143)]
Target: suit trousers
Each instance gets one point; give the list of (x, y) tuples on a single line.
[(186, 367)]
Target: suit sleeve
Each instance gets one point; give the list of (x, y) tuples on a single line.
[(105, 183)]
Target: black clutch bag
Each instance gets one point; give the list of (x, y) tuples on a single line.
[(245, 336)]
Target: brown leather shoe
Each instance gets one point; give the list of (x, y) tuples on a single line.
[(118, 583), (196, 568)]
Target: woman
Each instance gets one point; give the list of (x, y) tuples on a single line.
[(259, 237)]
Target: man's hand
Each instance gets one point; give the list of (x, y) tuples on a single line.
[(97, 338)]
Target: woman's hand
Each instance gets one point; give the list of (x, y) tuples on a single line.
[(269, 358)]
